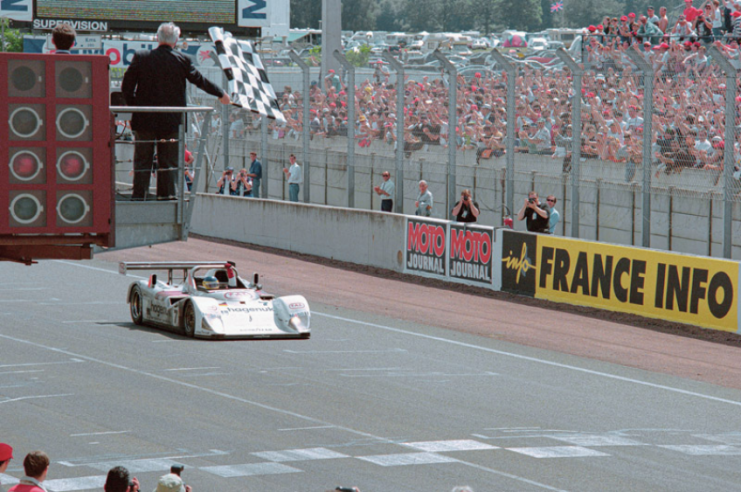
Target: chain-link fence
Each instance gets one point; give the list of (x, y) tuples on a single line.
[(648, 128)]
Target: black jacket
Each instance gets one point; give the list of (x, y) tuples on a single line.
[(157, 78)]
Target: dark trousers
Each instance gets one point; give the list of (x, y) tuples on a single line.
[(167, 163), (387, 205)]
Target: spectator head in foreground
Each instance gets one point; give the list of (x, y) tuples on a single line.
[(6, 454), (171, 483), (168, 33), (36, 464), (63, 36)]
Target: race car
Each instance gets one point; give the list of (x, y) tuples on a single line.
[(210, 300)]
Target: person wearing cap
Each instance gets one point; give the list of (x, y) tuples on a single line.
[(683, 29), (294, 175), (648, 31), (690, 12), (255, 173), (36, 466), (172, 483), (332, 80), (6, 454), (386, 192)]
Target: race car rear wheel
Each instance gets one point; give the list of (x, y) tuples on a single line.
[(136, 306), (189, 320)]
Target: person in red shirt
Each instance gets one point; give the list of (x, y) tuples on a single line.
[(36, 466), (690, 12)]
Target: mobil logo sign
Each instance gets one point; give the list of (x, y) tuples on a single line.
[(470, 253), (426, 247)]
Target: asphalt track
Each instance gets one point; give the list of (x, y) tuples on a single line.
[(373, 399)]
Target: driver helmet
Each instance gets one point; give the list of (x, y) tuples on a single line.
[(210, 283)]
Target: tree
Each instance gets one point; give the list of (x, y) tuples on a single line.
[(13, 38), (387, 18), (306, 13), (359, 56), (421, 17), (581, 13), (523, 15), (358, 15)]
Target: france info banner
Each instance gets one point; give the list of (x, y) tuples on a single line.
[(426, 247), (471, 253)]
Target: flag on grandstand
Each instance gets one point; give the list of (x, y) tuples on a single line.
[(556, 6), (249, 86)]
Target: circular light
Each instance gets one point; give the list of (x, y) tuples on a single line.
[(25, 165), (25, 122), (72, 165), (72, 208), (72, 123), (70, 79), (23, 78), (26, 208)]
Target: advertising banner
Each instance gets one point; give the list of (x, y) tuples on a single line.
[(687, 289), (471, 251), (19, 10), (426, 247)]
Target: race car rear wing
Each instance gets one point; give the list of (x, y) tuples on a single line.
[(125, 266)]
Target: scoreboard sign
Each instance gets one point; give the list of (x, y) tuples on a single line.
[(57, 150)]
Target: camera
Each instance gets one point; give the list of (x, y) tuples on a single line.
[(177, 469), (531, 200)]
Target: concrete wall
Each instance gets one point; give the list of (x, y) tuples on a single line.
[(356, 236)]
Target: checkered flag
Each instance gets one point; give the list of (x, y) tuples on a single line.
[(248, 81)]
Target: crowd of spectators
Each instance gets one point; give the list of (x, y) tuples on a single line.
[(688, 104)]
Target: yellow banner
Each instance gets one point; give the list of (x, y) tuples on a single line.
[(687, 289)]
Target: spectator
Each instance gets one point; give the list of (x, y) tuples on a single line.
[(6, 454), (294, 177), (157, 78), (119, 480), (424, 201), (244, 184), (227, 183), (554, 215), (386, 192), (466, 210), (534, 214), (255, 173), (36, 466), (236, 126), (172, 483), (63, 38)]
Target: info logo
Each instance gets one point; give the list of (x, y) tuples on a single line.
[(519, 262), (57, 148)]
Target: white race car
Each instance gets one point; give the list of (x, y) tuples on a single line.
[(210, 300)]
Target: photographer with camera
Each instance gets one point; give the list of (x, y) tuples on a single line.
[(244, 183), (227, 184), (466, 210), (119, 480), (535, 214)]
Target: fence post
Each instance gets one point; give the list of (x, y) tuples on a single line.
[(730, 121), (225, 128), (452, 123), (350, 68), (648, 105), (576, 72), (511, 122), (399, 171), (264, 153), (305, 133)]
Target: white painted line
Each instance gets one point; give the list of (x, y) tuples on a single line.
[(307, 428), (250, 470), (367, 369), (387, 351), (418, 375), (512, 477), (99, 433), (79, 483), (16, 289), (34, 364), (558, 452), (8, 479), (407, 459), (300, 455), (89, 303), (532, 359), (138, 466), (21, 398), (597, 440), (725, 438), (445, 446), (22, 372), (705, 450), (191, 368)]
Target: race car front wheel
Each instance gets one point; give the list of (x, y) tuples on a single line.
[(189, 320), (135, 306)]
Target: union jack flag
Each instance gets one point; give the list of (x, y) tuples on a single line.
[(555, 7)]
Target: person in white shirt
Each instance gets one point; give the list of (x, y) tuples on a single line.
[(386, 192), (295, 176)]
